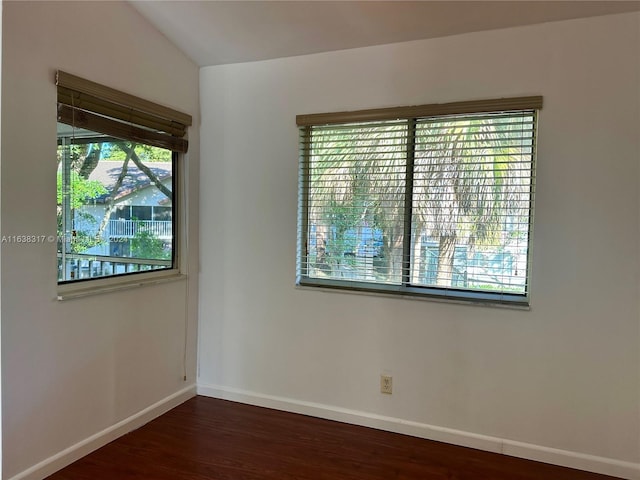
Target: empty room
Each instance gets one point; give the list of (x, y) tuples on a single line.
[(320, 240)]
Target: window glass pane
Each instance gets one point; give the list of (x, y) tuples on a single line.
[(471, 202), (162, 214), (356, 202), (107, 190), (141, 212), (121, 212)]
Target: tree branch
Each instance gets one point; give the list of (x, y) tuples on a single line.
[(147, 171), (112, 196)]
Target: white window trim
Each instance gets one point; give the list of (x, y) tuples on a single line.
[(96, 286)]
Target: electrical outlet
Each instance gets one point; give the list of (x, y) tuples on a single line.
[(386, 384)]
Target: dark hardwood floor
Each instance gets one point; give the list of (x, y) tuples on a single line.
[(205, 438)]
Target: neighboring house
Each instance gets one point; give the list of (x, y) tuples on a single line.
[(137, 205)]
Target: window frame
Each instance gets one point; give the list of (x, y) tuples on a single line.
[(88, 105), (411, 114)]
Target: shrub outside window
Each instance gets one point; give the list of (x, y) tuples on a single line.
[(434, 200)]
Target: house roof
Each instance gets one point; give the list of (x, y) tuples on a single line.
[(107, 173)]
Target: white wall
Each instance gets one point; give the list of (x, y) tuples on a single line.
[(564, 375), (72, 369)]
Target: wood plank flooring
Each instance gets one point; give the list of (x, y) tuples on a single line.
[(212, 439)]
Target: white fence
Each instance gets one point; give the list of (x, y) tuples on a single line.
[(79, 266), (161, 229)]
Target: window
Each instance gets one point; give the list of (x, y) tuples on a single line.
[(433, 200), (116, 181)]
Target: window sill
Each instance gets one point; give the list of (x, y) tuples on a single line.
[(81, 289), (421, 294)]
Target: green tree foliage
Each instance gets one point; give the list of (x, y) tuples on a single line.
[(145, 244), (357, 179), (83, 159), (81, 191), (467, 178), (146, 153)]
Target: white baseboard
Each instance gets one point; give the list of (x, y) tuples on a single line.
[(88, 445), (591, 463)]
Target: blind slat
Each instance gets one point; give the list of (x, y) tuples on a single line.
[(110, 95), (86, 102), (89, 121)]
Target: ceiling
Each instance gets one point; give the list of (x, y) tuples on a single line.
[(220, 32)]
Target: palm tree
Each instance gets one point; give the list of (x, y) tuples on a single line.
[(469, 175), (357, 178)]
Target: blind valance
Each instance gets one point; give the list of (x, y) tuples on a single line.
[(86, 104), (415, 111)]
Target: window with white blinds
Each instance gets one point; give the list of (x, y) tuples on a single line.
[(434, 200)]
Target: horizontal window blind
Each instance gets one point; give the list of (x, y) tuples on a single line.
[(89, 105), (437, 205), (355, 199)]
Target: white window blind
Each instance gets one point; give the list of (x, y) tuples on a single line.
[(437, 205)]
